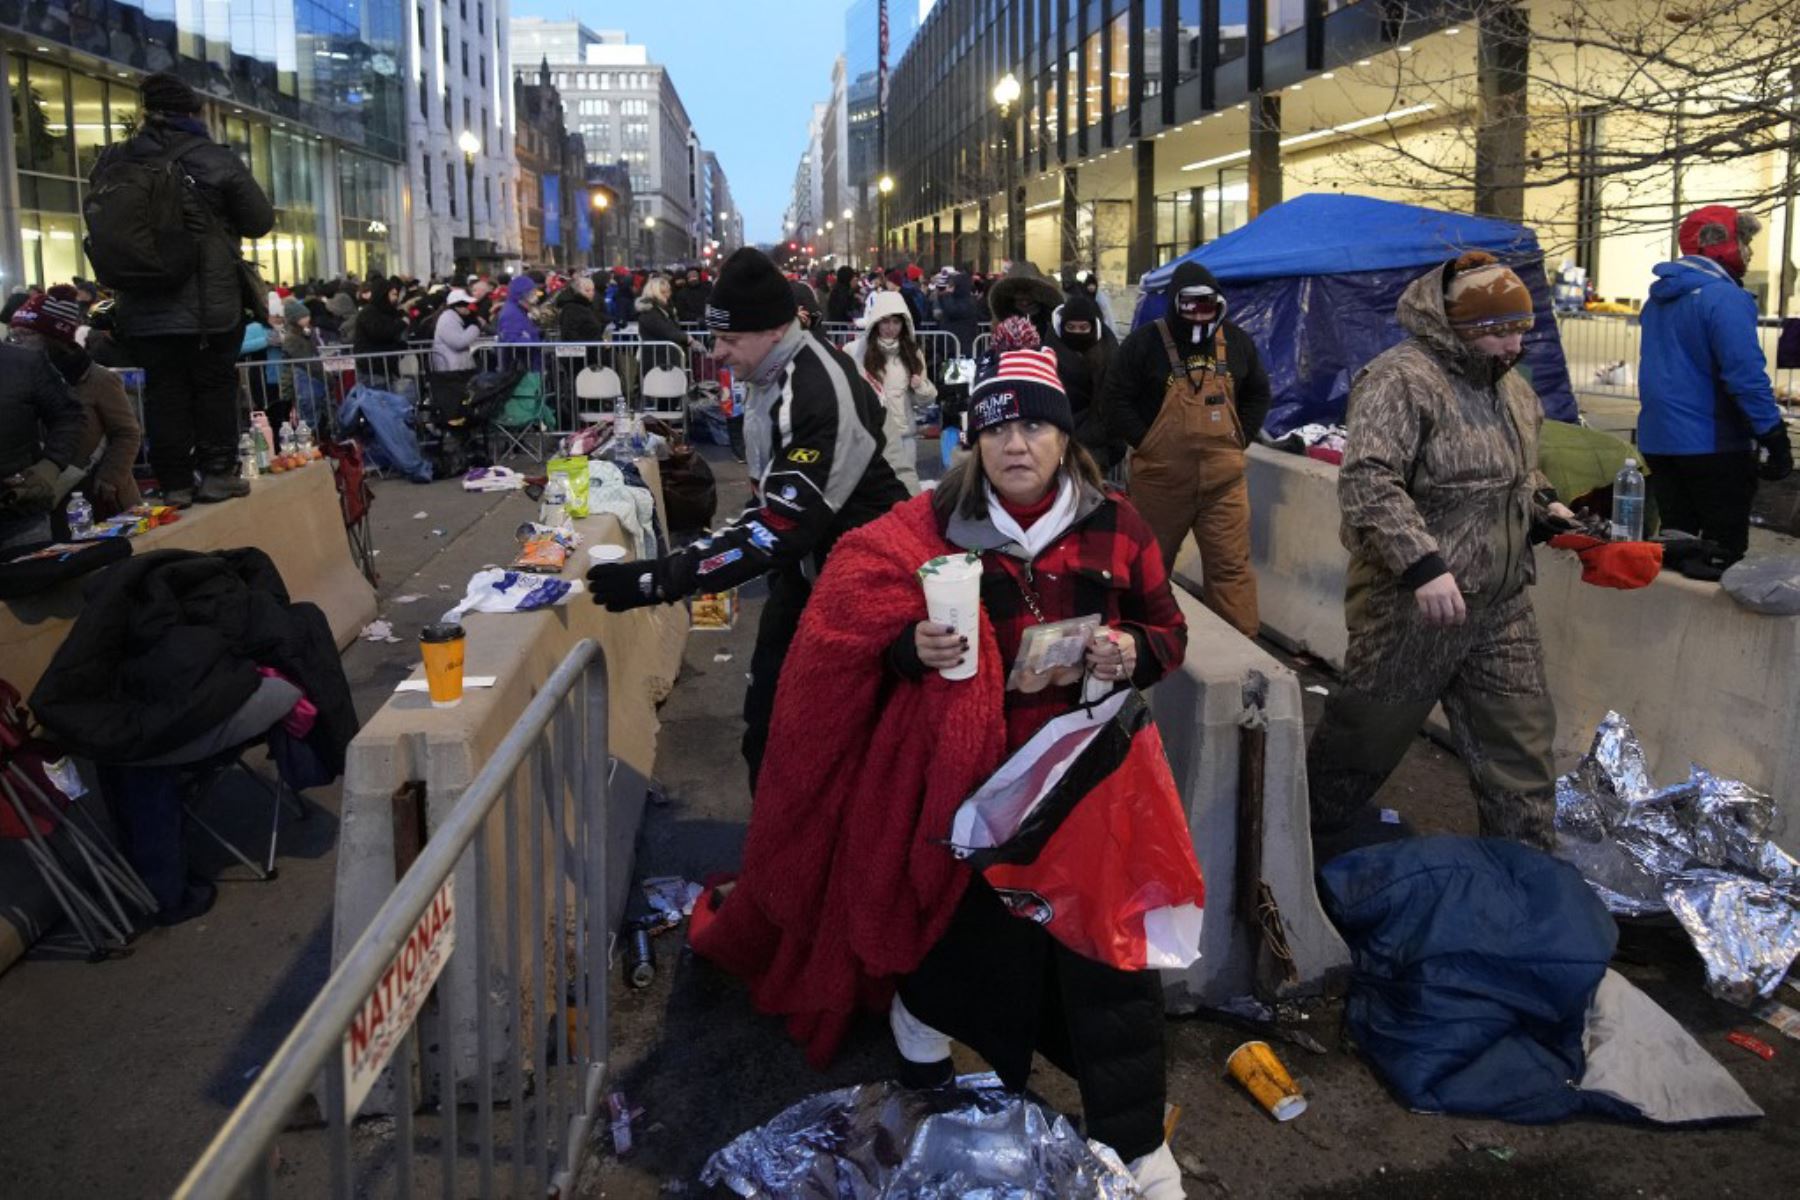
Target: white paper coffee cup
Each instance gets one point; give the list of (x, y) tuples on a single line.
[(953, 597)]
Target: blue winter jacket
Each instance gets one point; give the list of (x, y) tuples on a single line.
[(1702, 377)]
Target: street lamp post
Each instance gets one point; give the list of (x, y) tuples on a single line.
[(886, 188), (601, 203), (649, 239), (1006, 94), (850, 236), (470, 145), (830, 238)]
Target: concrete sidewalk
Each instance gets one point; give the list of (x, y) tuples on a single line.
[(113, 1077)]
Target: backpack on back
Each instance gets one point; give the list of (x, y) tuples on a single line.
[(138, 239)]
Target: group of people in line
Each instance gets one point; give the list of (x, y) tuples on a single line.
[(1441, 498)]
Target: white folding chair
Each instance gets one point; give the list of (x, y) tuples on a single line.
[(600, 386), (665, 395)]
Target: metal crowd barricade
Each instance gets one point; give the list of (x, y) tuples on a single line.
[(982, 342), (534, 823)]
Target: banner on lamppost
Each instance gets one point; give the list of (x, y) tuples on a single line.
[(881, 66), (584, 225)]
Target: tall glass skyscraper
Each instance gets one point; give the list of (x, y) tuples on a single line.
[(308, 92)]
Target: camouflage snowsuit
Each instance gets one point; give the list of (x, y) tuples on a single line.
[(1440, 468)]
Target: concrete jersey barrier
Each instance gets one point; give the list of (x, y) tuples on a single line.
[(1199, 710), (1701, 679)]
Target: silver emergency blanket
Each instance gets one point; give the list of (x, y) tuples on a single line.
[(1701, 849), (880, 1140)]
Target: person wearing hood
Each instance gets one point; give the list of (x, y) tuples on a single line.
[(110, 435), (840, 304), (888, 354), (381, 330), (1187, 393), (1089, 347), (515, 323), (1026, 292), (1087, 283), (1708, 412), (958, 315), (1442, 497), (812, 426)]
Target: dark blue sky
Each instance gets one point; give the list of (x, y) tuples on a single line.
[(748, 71)]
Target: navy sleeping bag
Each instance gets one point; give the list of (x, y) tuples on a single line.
[(1476, 962)]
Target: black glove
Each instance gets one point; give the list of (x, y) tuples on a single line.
[(1780, 461), (625, 586)]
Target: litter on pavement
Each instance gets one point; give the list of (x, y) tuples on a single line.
[(379, 631)]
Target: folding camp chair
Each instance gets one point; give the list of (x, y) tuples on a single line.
[(198, 782), (596, 388), (355, 497), (665, 395), (81, 867)]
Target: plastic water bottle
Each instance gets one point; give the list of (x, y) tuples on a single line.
[(621, 431), (553, 509), (247, 464), (1628, 503), (81, 516)]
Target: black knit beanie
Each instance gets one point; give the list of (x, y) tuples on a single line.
[(163, 92), (751, 295)]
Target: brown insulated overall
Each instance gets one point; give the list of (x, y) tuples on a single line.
[(1188, 473)]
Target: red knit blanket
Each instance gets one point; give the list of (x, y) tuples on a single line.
[(846, 883)]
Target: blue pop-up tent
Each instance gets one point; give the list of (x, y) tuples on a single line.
[(1315, 281)]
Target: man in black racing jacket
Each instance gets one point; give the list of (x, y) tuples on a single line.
[(812, 428)]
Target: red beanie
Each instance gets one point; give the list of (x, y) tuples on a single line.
[(1622, 565), (55, 314)]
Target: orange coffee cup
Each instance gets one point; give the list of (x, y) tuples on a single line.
[(442, 645), (1255, 1066)]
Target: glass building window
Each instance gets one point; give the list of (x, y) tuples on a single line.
[(1093, 83), (1121, 62), (1234, 29)]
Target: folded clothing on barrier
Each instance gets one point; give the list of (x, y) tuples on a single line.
[(1482, 988)]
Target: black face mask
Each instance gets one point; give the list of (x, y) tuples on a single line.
[(1080, 341)]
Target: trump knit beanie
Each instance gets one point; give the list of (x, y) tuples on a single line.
[(1484, 296), (1020, 385), (751, 296)]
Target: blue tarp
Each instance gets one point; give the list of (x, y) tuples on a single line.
[(1315, 281)]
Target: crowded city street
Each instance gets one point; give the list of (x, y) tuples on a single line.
[(1086, 598)]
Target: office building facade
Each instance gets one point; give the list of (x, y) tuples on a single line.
[(1146, 127), (626, 109), (463, 208), (310, 94)]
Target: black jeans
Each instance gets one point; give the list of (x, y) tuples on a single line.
[(788, 592), (1707, 495), (190, 404)]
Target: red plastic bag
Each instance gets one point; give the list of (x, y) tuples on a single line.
[(1083, 831)]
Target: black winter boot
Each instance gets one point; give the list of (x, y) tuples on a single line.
[(219, 478)]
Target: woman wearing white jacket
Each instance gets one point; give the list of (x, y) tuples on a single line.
[(891, 360)]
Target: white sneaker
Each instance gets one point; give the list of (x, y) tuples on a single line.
[(1157, 1176)]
